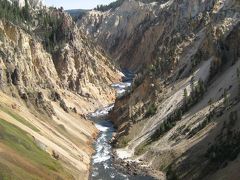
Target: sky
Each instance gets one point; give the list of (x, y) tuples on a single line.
[(76, 4)]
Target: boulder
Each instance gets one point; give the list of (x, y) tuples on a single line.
[(64, 106)]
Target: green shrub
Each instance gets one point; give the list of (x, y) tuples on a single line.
[(140, 149), (227, 145), (122, 142), (13, 13), (151, 111), (111, 6), (171, 175)]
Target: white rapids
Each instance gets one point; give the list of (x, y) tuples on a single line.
[(102, 161)]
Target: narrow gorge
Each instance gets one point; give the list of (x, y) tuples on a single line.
[(136, 89), (104, 164)]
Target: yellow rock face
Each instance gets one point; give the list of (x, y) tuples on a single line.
[(80, 77)]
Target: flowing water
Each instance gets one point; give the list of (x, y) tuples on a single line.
[(102, 161)]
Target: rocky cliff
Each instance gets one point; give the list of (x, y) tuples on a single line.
[(50, 79), (182, 114)]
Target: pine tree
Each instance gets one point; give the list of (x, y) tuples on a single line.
[(238, 79), (13, 13), (192, 85), (179, 114), (225, 96), (201, 86), (210, 103), (185, 97), (26, 11)]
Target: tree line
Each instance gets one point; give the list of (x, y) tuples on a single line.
[(13, 13), (111, 6), (197, 92)]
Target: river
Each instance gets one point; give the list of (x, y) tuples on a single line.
[(102, 161)]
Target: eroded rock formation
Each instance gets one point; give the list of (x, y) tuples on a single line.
[(186, 58), (48, 92)]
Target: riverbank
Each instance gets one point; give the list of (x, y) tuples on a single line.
[(135, 167), (105, 164)]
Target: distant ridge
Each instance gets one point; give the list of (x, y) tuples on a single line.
[(77, 13)]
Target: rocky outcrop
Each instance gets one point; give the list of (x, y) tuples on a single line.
[(135, 33), (47, 93), (186, 57)]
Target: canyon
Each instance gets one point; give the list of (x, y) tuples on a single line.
[(186, 89), (47, 95), (179, 118)]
